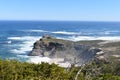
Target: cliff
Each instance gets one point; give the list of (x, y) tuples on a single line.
[(73, 52)]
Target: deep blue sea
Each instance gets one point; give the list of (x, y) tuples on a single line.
[(17, 37)]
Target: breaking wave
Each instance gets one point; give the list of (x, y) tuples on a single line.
[(25, 45), (79, 38), (66, 33)]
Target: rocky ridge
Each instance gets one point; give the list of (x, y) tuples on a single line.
[(72, 52)]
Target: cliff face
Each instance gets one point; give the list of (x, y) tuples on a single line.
[(57, 48)]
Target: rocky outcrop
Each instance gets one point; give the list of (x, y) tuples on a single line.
[(71, 51)]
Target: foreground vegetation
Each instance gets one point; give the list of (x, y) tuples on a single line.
[(96, 70)]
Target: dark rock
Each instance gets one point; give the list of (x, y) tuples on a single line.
[(47, 36)]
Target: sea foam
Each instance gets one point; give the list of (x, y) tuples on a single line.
[(25, 45)]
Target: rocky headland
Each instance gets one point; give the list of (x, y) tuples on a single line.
[(65, 51)]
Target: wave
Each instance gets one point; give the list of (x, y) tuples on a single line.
[(35, 30), (14, 38), (25, 45), (109, 32), (66, 33), (87, 33), (81, 38), (6, 42), (24, 38), (22, 48), (56, 32)]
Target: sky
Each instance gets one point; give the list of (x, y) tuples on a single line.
[(72, 10)]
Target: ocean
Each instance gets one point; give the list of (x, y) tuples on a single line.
[(17, 37)]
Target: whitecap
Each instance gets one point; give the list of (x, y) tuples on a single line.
[(14, 38), (81, 38), (26, 45), (9, 42), (15, 51), (35, 30), (23, 48), (24, 38), (66, 33)]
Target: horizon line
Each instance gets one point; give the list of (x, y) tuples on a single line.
[(67, 20)]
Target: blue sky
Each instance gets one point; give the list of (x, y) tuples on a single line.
[(75, 10)]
